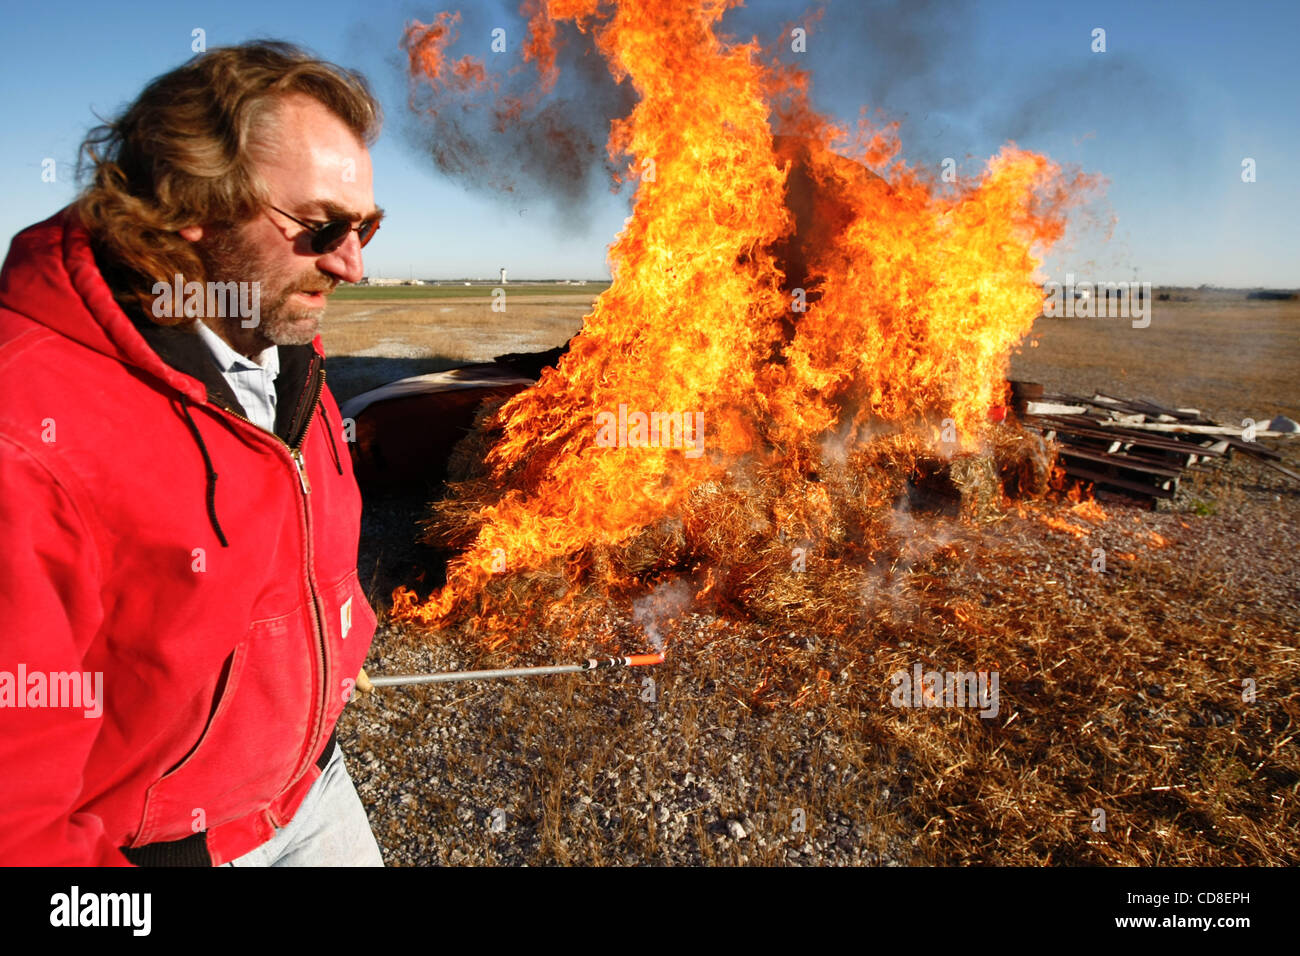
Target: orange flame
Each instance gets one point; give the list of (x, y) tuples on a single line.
[(1090, 511), (765, 288), (1060, 524), (426, 47)]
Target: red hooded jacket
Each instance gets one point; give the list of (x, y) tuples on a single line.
[(151, 534)]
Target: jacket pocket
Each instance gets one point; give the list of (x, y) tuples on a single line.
[(349, 628), (251, 746)]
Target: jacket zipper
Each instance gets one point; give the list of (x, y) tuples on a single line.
[(317, 613), (295, 452)]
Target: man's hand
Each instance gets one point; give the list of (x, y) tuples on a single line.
[(363, 682)]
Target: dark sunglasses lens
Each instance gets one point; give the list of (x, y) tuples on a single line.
[(330, 236), (366, 231)]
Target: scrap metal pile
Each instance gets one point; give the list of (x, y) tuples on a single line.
[(1138, 448)]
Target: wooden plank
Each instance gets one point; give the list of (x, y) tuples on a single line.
[(1120, 404), (1152, 408), (1216, 430), (1119, 461), (1113, 432), (1141, 439), (1147, 491), (1141, 458), (1157, 454), (1251, 448), (1191, 442), (1053, 408), (1159, 458)]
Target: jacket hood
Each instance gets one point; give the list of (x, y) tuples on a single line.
[(50, 276)]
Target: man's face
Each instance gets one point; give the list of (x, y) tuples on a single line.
[(316, 170)]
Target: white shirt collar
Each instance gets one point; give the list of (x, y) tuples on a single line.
[(228, 360)]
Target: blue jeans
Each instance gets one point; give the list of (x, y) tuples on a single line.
[(329, 829)]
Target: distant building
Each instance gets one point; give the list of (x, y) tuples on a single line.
[(381, 281)]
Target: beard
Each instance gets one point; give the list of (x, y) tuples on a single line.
[(228, 257)]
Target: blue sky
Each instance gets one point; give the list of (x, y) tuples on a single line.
[(1184, 92)]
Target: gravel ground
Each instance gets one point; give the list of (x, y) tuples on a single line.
[(446, 783)]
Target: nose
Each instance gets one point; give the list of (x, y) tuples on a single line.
[(344, 263)]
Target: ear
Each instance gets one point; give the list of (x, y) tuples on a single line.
[(192, 233)]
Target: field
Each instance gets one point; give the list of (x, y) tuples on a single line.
[(372, 340), (478, 291), (1146, 717), (1232, 358)]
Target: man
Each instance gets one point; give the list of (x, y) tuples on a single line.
[(182, 621)]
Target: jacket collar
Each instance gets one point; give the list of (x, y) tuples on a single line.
[(295, 387)]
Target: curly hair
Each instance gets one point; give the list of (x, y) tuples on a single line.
[(184, 153)]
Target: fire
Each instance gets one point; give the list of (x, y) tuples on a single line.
[(426, 46), (1089, 511), (1060, 524), (779, 292)]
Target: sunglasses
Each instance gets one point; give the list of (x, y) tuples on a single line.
[(328, 236)]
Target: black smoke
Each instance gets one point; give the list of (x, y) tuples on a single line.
[(552, 156)]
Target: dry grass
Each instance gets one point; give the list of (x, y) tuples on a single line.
[(374, 341)]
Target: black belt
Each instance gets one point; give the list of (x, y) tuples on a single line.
[(193, 849)]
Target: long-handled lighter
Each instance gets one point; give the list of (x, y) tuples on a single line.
[(591, 664)]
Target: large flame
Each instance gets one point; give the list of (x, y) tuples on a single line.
[(765, 287)]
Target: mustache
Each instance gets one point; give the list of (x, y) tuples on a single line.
[(287, 292), (326, 287)]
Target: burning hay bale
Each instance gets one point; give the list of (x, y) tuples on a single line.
[(976, 479), (765, 542), (1025, 465), (1019, 465), (468, 458)]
